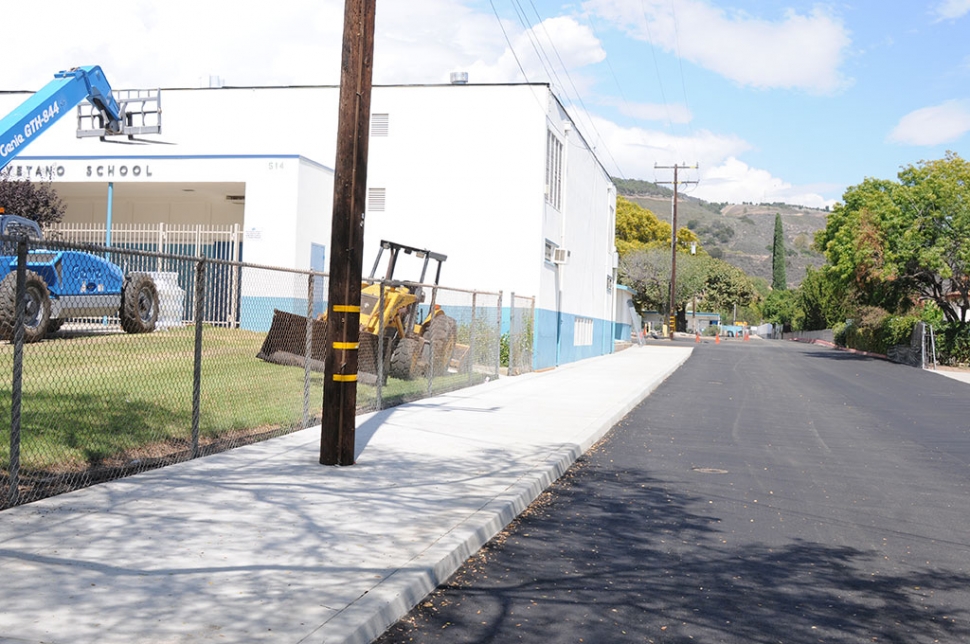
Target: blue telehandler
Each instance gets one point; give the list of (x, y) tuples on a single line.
[(61, 284)]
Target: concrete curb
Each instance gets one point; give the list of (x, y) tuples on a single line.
[(369, 616), (832, 345)]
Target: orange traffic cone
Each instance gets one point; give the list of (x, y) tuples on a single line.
[(697, 336), (717, 339)]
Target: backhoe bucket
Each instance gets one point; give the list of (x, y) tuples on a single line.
[(285, 343)]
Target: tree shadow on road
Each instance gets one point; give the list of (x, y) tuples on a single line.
[(626, 560)]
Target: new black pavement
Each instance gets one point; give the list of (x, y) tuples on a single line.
[(767, 492)]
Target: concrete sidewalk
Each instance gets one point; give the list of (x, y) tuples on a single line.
[(263, 544), (962, 376)]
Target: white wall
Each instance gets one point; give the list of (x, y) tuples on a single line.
[(463, 168)]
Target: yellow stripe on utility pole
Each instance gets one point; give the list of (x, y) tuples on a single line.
[(346, 308), (346, 346), (352, 377)]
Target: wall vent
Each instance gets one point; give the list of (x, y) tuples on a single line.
[(376, 199), (560, 256), (379, 124)]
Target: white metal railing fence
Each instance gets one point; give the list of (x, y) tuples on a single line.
[(220, 242)]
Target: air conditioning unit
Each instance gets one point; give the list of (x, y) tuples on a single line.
[(560, 256)]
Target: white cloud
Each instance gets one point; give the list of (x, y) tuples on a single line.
[(153, 44), (564, 45), (174, 43), (952, 9), (737, 182), (633, 152), (797, 52), (286, 42), (934, 125)]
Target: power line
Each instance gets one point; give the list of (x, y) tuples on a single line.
[(656, 65), (549, 68), (509, 42), (578, 95), (683, 81)]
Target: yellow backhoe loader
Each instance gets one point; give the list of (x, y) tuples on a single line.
[(412, 345)]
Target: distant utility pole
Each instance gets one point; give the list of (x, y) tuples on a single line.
[(338, 425), (673, 243)]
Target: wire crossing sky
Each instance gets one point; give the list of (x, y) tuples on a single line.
[(791, 101)]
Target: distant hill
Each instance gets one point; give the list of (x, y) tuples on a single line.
[(739, 234)]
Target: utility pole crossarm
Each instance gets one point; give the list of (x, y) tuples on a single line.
[(672, 308)]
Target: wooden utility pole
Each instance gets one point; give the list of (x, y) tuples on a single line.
[(672, 313), (338, 426)]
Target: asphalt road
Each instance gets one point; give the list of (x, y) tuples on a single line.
[(767, 492)]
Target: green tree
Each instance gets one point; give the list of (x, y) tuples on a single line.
[(726, 286), (647, 272), (716, 284), (778, 278), (781, 307), (33, 200), (893, 243), (823, 303), (639, 229)]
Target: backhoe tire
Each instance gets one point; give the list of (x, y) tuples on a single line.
[(442, 335), (139, 304), (405, 360), (37, 310)]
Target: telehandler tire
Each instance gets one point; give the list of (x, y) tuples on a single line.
[(139, 304), (37, 312)]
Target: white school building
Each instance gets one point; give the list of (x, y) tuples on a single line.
[(496, 177)]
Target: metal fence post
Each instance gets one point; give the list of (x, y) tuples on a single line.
[(380, 349), (197, 372), (498, 344), (513, 338), (307, 351), (472, 349), (234, 277), (18, 372), (532, 333)]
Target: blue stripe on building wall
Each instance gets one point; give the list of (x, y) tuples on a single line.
[(623, 332), (546, 352), (257, 314)]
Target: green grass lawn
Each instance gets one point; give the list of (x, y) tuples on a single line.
[(104, 399)]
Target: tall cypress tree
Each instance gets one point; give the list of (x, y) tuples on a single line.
[(778, 279)]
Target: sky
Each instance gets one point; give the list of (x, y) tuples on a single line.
[(772, 101)]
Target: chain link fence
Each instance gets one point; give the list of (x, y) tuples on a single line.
[(921, 350), (113, 364), (520, 339)]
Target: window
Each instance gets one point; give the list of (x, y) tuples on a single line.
[(553, 170), (379, 124), (550, 252), (376, 199), (583, 332)]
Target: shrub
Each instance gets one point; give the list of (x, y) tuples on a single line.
[(875, 331), (953, 343)]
